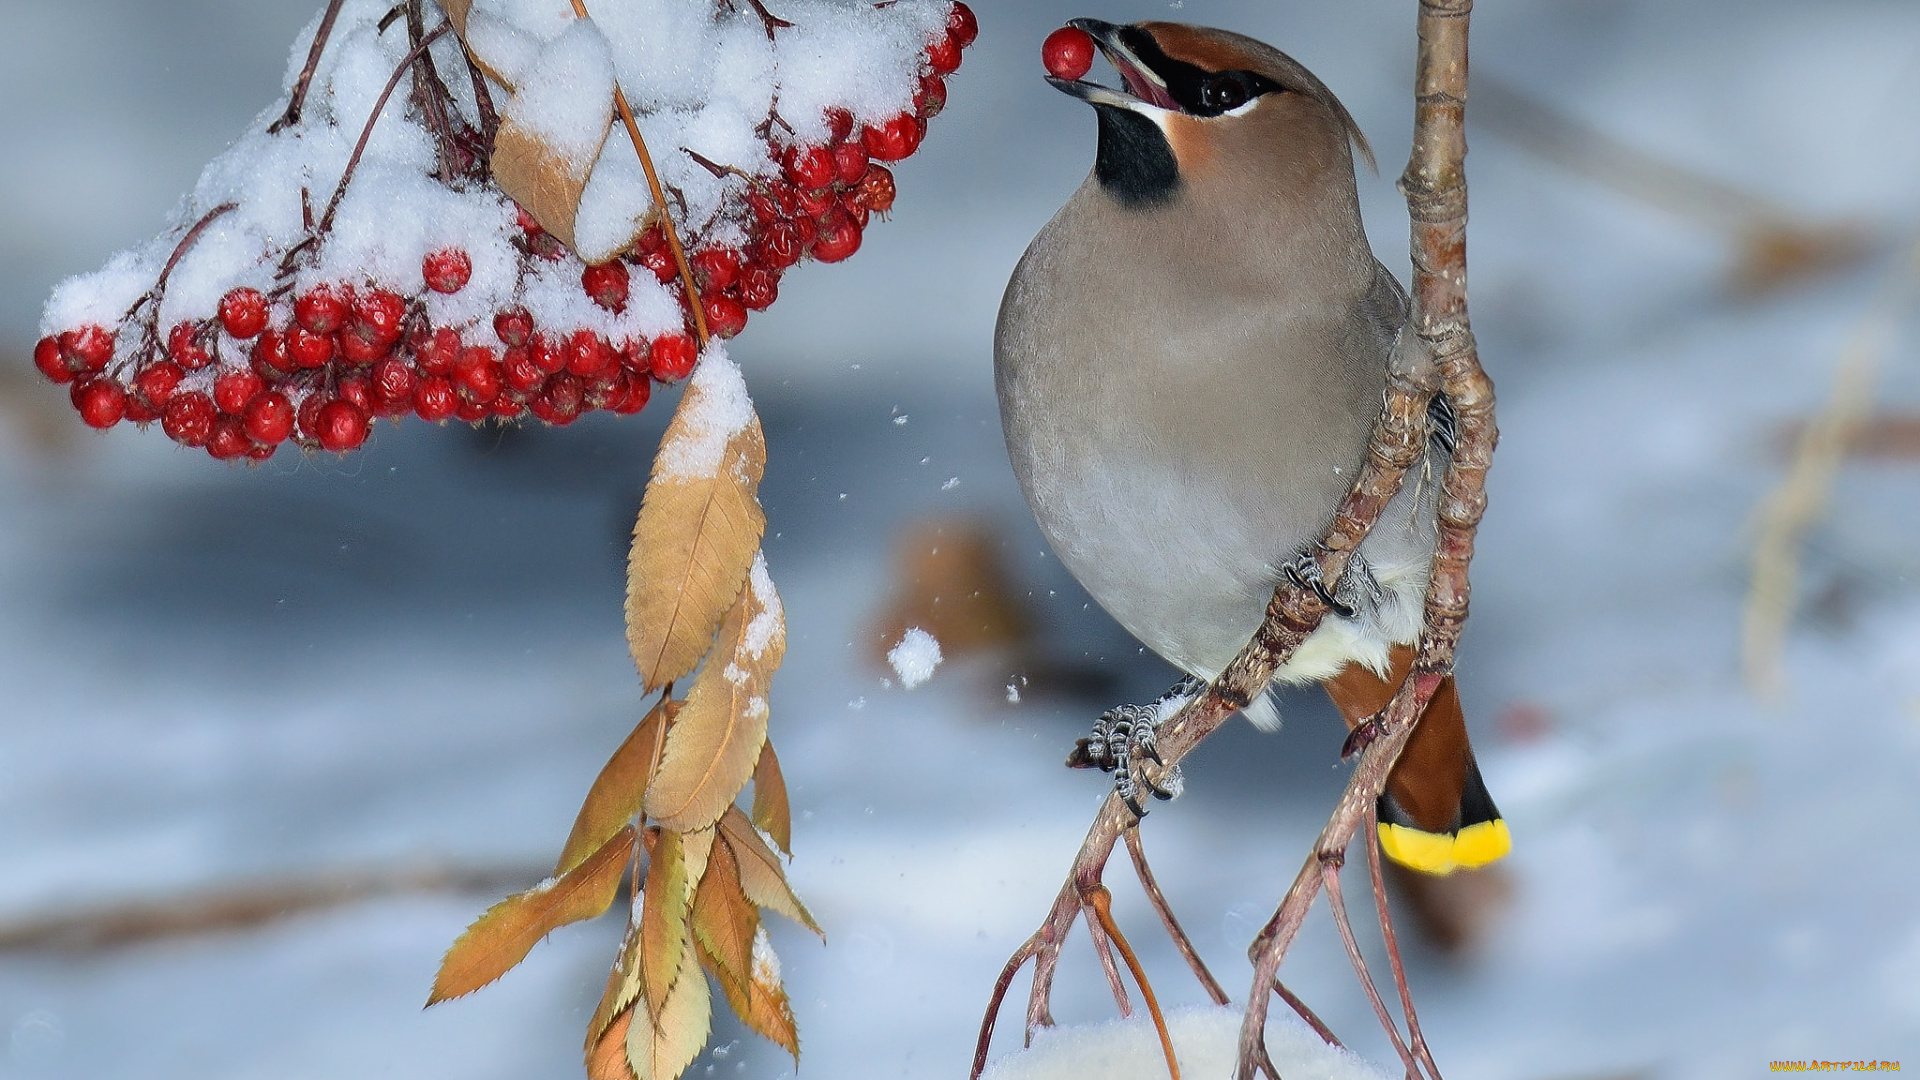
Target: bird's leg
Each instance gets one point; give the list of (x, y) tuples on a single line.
[(1165, 911), (1418, 1041), (1304, 571), (1330, 864)]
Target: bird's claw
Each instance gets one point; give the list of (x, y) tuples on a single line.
[(1304, 571), (1126, 737)]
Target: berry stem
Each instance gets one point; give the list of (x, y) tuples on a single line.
[(659, 201), (768, 18), (299, 99), (359, 148), (430, 94)]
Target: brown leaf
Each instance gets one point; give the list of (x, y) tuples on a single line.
[(724, 921), (761, 876), (770, 810), (532, 174), (700, 525), (607, 1055), (715, 742), (761, 1002), (457, 14), (623, 986), (617, 791), (663, 919), (511, 928), (661, 1045)]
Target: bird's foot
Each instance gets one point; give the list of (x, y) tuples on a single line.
[(1125, 740), (1304, 571)]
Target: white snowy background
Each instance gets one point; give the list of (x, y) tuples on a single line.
[(211, 675)]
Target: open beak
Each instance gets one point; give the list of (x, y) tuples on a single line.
[(1143, 87)]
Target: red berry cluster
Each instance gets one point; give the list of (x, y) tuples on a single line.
[(318, 366)]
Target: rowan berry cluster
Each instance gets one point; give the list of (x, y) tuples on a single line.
[(317, 365)]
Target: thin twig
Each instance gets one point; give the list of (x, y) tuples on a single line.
[(1318, 1025), (1415, 1039), (430, 94), (1102, 903), (1330, 878), (298, 101), (1103, 948), (379, 106), (1165, 911)]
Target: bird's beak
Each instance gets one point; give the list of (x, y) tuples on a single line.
[(1144, 88)]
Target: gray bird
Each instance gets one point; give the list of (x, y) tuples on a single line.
[(1190, 358)]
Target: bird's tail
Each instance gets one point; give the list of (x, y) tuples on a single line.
[(1435, 815)]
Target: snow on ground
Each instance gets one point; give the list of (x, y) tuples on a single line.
[(215, 674)]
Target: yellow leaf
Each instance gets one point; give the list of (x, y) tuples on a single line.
[(617, 791), (700, 524), (715, 742), (623, 986), (663, 919), (724, 922), (607, 1054), (661, 1045), (771, 814), (510, 929), (761, 876), (762, 1002)]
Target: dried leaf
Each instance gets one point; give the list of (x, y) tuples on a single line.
[(661, 1045), (607, 1054), (553, 127), (457, 15), (510, 929), (771, 814), (663, 919), (762, 1001), (700, 525), (617, 791), (716, 740), (761, 876), (539, 179), (623, 986), (725, 921)]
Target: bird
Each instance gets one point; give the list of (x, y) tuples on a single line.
[(1189, 359)]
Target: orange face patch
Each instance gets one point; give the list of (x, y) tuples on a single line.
[(1192, 146)]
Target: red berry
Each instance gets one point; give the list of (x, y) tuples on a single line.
[(759, 288), (839, 125), (809, 167), (639, 390), (818, 202), (726, 316), (260, 453), (765, 210), (634, 357), (849, 162), (715, 268), (472, 411), (234, 388), (377, 316), (476, 378), (156, 382), (357, 347), (807, 230), (943, 55), (101, 402), (673, 357), (587, 354), (46, 357), (839, 238), (896, 139), (342, 426), (779, 247), (139, 411), (1067, 52), (268, 418), (243, 312), (393, 384), (962, 27), (89, 348), (546, 356), (436, 354), (189, 419), (660, 261), (270, 359), (307, 348), (513, 326), (447, 270), (607, 285), (229, 440), (875, 191), (183, 342), (434, 399), (519, 371), (358, 389), (320, 310), (931, 98), (564, 396)]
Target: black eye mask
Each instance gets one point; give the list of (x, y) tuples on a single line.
[(1197, 91)]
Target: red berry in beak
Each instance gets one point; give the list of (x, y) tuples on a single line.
[(1067, 52)]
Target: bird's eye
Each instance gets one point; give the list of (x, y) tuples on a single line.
[(1223, 92)]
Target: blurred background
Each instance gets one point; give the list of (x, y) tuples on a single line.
[(272, 736)]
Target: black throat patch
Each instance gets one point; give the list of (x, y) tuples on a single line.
[(1135, 165)]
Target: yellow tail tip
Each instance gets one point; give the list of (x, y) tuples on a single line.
[(1443, 853)]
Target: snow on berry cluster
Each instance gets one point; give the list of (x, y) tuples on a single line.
[(337, 266)]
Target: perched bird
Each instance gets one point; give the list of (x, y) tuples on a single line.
[(1189, 358)]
